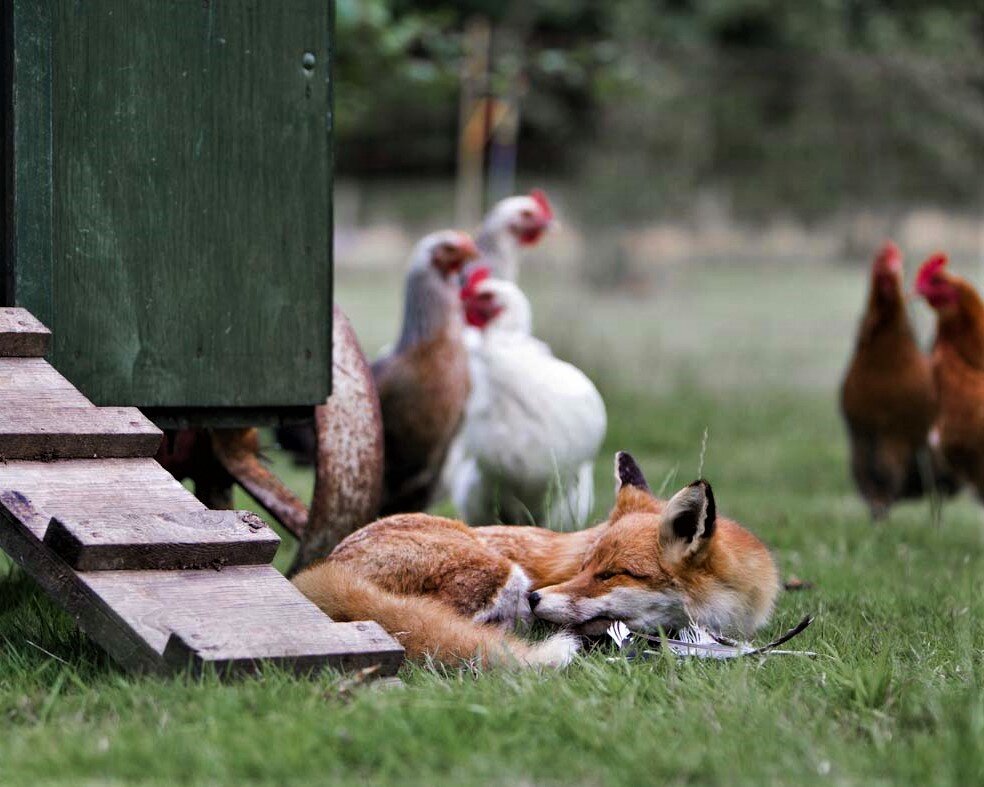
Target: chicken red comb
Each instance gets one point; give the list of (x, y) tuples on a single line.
[(476, 277), (889, 252), (888, 260), (539, 196), (929, 269)]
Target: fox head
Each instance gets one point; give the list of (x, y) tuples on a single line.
[(665, 564)]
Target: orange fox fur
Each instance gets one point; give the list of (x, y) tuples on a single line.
[(452, 592)]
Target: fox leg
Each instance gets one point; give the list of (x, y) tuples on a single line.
[(488, 588), (510, 606)]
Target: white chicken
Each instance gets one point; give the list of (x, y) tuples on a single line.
[(533, 423), (513, 222)]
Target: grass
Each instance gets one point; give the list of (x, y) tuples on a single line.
[(897, 694)]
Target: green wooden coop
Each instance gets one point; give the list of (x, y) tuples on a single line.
[(167, 215)]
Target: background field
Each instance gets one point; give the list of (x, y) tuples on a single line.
[(752, 355)]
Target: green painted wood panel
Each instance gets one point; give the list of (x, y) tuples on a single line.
[(27, 154), (190, 202)]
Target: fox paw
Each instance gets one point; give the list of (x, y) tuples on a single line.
[(510, 606)]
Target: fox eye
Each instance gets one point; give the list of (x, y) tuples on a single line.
[(603, 576)]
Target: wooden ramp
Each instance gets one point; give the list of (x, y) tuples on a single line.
[(154, 577)]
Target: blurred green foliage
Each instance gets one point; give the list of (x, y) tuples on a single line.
[(737, 93)]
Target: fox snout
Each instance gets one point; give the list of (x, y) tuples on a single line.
[(560, 604), (586, 615)]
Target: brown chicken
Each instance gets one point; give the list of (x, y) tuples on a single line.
[(888, 397), (958, 368), (423, 383)]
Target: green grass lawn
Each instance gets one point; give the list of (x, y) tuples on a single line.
[(896, 694)]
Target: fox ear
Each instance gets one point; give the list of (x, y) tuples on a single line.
[(689, 520), (631, 490), (627, 473)]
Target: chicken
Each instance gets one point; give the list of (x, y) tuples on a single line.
[(958, 368), (300, 441), (533, 425), (423, 383), (512, 223), (888, 397)]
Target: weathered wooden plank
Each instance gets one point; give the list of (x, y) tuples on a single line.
[(343, 646), (85, 488), (185, 540), (33, 382), (232, 618), (76, 433), (22, 335), (20, 524)]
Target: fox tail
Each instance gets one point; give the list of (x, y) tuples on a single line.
[(427, 627)]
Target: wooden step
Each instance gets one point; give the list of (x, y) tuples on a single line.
[(233, 618), (33, 382), (76, 433), (89, 488), (344, 646), (21, 335), (127, 541)]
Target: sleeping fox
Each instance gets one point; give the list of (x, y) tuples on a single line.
[(452, 592)]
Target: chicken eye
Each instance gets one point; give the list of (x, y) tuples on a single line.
[(526, 214)]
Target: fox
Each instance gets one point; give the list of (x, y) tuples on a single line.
[(453, 593)]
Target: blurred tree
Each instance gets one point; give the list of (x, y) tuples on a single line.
[(738, 93)]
